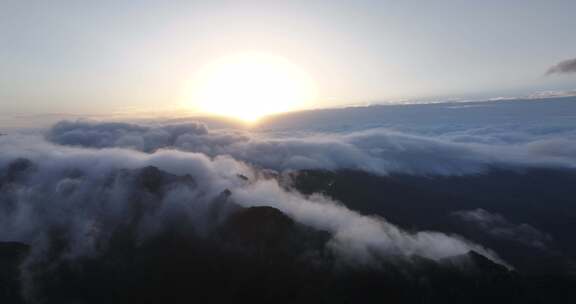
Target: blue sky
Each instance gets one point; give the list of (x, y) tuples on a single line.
[(98, 57)]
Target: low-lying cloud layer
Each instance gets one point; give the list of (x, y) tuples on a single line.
[(84, 195), (379, 150), (82, 181)]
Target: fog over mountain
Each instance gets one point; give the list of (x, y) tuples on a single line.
[(75, 177), (287, 152), (498, 226), (373, 195)]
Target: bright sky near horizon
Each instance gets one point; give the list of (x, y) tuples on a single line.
[(98, 57)]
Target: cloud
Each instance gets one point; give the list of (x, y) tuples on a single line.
[(87, 194), (83, 181), (498, 226), (552, 94), (121, 135), (358, 238), (563, 67), (378, 150)]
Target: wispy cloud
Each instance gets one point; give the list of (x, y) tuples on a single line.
[(498, 226)]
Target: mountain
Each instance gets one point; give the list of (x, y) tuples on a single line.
[(262, 255)]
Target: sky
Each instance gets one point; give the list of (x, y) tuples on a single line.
[(99, 57)]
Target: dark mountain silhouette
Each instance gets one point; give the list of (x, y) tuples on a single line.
[(543, 198), (11, 255), (261, 255)]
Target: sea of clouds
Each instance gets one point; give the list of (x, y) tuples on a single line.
[(78, 190), (376, 150), (71, 180)]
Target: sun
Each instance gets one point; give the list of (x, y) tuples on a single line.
[(248, 86)]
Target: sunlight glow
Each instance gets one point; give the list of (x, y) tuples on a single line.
[(249, 86)]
